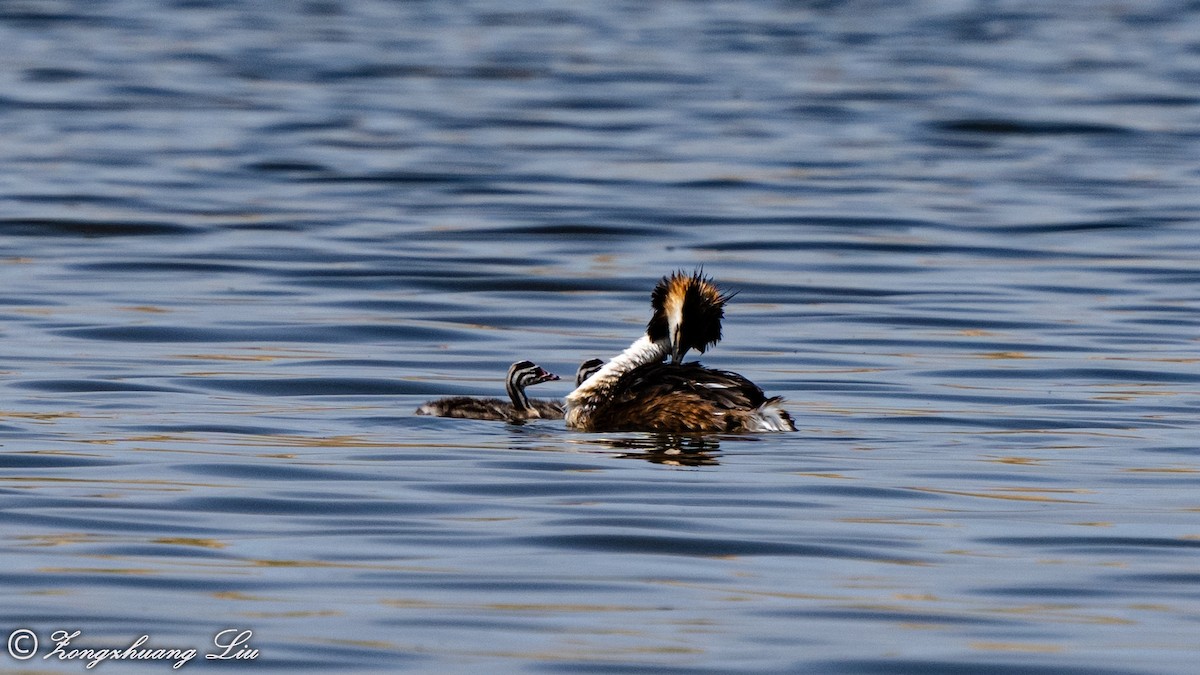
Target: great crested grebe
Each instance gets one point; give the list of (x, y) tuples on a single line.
[(520, 375), (636, 391)]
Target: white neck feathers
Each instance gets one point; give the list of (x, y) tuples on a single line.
[(639, 353)]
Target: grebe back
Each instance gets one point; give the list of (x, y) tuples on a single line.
[(688, 397)]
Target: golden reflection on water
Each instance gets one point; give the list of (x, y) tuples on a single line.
[(1018, 647), (321, 564), (29, 482), (243, 597), (292, 440), (246, 440), (1018, 461), (1017, 494), (293, 614), (58, 453), (58, 539), (119, 571), (260, 354), (42, 416), (520, 607), (784, 595), (1062, 613), (893, 521), (190, 541)]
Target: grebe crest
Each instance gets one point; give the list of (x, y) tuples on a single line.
[(687, 310)]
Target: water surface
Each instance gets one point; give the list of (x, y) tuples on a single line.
[(240, 244)]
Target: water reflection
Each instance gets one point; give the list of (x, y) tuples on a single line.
[(668, 449)]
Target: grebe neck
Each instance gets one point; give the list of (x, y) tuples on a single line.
[(516, 392)]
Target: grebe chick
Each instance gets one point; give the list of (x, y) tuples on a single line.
[(521, 374), (552, 409), (636, 391), (587, 369)]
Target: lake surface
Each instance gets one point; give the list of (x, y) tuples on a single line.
[(241, 242)]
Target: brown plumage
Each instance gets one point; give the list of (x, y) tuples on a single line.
[(683, 398)]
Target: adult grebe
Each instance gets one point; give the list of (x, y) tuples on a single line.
[(636, 391), (520, 375)]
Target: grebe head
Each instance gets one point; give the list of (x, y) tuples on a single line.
[(525, 374), (528, 373), (687, 313), (587, 369)]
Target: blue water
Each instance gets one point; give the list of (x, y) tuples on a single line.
[(241, 242)]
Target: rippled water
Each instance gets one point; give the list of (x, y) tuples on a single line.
[(241, 242)]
